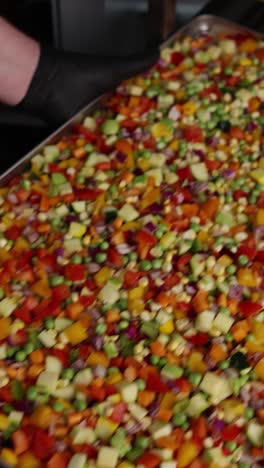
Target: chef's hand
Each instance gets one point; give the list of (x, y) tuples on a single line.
[(65, 82)]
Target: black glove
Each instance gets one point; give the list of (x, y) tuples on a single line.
[(65, 82)]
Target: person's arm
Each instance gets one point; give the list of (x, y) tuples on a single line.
[(19, 56)]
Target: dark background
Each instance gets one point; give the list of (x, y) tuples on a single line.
[(124, 26)]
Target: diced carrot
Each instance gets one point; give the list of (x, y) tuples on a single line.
[(112, 316), (74, 310), (149, 460), (218, 352), (164, 414), (59, 460), (200, 302), (74, 418), (37, 356), (168, 442), (240, 330), (210, 208), (158, 348), (44, 204), (21, 441), (145, 398), (189, 209)]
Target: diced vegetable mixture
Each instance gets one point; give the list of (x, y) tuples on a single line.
[(132, 275)]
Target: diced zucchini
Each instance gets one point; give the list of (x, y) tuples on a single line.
[(197, 264), (128, 213), (109, 294), (160, 429), (197, 405), (83, 435), (51, 152), (3, 349), (15, 417), (157, 175), (216, 453), (79, 206), (223, 322), (134, 90), (218, 387), (78, 460), (168, 464), (172, 371), (96, 158), (77, 229), (66, 393), (137, 411), (53, 364), (110, 127), (90, 123), (38, 161), (224, 218), (157, 160), (105, 428), (72, 245), (48, 380), (200, 172), (62, 210), (228, 46), (57, 178), (47, 339), (107, 457), (83, 377), (7, 306), (129, 392), (61, 323), (165, 101), (255, 433), (204, 321)]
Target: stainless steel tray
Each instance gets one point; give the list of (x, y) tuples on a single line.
[(202, 24)]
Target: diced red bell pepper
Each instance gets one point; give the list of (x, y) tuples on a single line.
[(23, 314), (86, 300), (20, 337), (146, 238), (260, 256), (239, 194), (43, 444), (183, 385), (237, 133), (103, 166), (233, 80), (13, 233), (5, 394), (62, 355), (87, 194), (119, 412), (199, 339), (171, 280), (213, 88), (199, 428), (260, 53), (184, 173), (75, 272), (249, 308), (230, 432), (149, 460), (212, 165), (97, 394), (249, 252), (88, 134), (177, 58), (183, 261), (90, 451), (131, 278), (61, 292), (194, 134), (149, 143), (155, 384), (114, 258)]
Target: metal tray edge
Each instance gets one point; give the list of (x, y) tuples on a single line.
[(202, 23)]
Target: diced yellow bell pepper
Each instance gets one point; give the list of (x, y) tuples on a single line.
[(260, 217), (102, 276), (143, 164), (246, 277), (258, 175), (28, 460), (259, 369), (76, 333), (261, 162), (168, 401), (150, 197), (189, 108), (21, 244), (167, 328), (224, 260), (96, 358), (114, 378), (9, 457), (4, 422), (254, 346), (126, 465), (5, 324), (99, 204), (105, 428), (174, 145), (160, 130), (77, 229), (42, 416), (257, 329), (195, 362), (135, 293), (168, 239), (188, 451), (137, 305)]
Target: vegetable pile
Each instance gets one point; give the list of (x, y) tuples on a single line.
[(132, 276)]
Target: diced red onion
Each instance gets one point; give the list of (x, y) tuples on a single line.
[(60, 446), (213, 141), (235, 292), (218, 425), (259, 233), (150, 226), (78, 365), (191, 289), (125, 133), (174, 114), (99, 371), (124, 249), (32, 237), (93, 267), (199, 153), (257, 404), (228, 174), (59, 252), (162, 63), (133, 427), (251, 126), (12, 198), (154, 409), (97, 342)]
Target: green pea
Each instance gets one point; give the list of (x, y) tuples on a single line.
[(113, 370), (228, 337), (104, 245), (141, 442), (123, 325), (101, 257), (195, 227), (141, 384), (223, 365), (20, 356), (11, 351), (249, 413), (133, 256), (157, 263), (232, 445), (101, 328), (55, 222), (242, 260), (56, 280), (244, 465), (76, 259), (179, 419), (68, 374), (145, 265), (58, 406), (122, 304), (49, 323), (110, 127), (195, 378), (89, 148), (252, 199), (80, 405), (29, 347), (231, 269), (155, 359), (32, 393)]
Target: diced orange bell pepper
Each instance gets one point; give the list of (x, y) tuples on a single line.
[(259, 369), (76, 333), (188, 452)]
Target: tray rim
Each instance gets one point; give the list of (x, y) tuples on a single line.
[(201, 22)]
